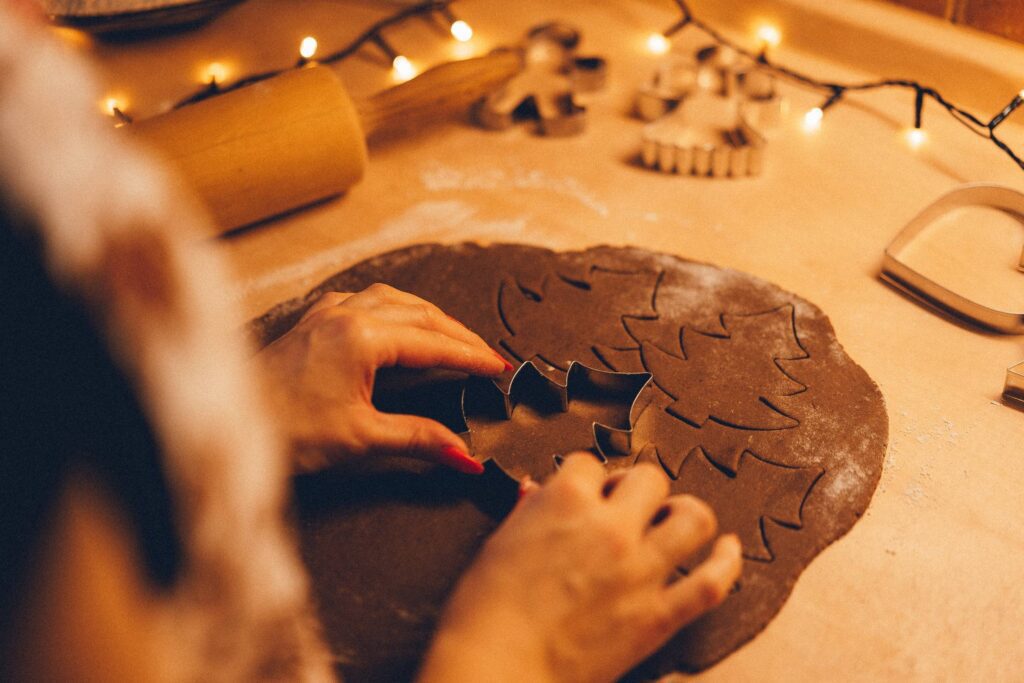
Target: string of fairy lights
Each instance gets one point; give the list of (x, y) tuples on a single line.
[(215, 75), (769, 37)]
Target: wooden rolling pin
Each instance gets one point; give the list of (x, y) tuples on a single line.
[(298, 138)]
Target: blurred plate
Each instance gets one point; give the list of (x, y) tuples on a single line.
[(108, 17)]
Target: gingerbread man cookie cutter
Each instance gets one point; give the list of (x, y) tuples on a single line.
[(547, 87), (707, 115)]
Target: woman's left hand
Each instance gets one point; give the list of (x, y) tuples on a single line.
[(322, 376)]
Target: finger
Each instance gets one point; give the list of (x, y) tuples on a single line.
[(639, 492), (413, 347), (416, 437), (580, 473), (379, 294), (527, 486), (707, 585), (684, 525), (327, 300), (426, 316)]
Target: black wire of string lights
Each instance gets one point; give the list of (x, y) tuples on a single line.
[(836, 91), (374, 35)]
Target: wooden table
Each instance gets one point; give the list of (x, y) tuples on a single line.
[(928, 585)]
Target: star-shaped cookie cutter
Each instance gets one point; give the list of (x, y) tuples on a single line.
[(529, 385), (707, 115), (547, 86)]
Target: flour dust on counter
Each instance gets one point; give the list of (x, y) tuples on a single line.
[(752, 405)]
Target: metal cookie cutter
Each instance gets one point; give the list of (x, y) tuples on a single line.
[(927, 291), (483, 397), (546, 88), (1014, 389), (708, 115)]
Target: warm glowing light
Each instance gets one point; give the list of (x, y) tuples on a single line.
[(916, 137), (404, 70), (72, 36), (112, 105), (1021, 94), (658, 43), (768, 35), (462, 31), (215, 72), (812, 120), (307, 48)]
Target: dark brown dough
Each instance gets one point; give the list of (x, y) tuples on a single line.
[(754, 406)]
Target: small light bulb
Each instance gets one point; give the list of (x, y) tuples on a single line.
[(812, 120), (769, 35), (658, 43), (462, 31), (1021, 94), (112, 105), (215, 73), (307, 48), (916, 137), (404, 70), (72, 36)]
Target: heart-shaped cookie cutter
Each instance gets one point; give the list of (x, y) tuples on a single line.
[(926, 290)]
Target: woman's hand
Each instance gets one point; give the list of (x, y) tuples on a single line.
[(574, 585), (322, 374)]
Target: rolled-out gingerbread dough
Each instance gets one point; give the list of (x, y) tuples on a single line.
[(754, 406)]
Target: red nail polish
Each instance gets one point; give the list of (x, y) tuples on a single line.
[(508, 366), (459, 460)]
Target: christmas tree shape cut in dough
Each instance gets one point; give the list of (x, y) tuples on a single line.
[(545, 324), (767, 491), (730, 379)]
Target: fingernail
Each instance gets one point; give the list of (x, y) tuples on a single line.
[(460, 460), (526, 485), (508, 366)]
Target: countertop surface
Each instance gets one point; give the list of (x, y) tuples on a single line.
[(928, 584)]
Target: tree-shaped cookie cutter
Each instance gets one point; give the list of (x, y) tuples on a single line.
[(547, 86), (707, 115), (529, 385)]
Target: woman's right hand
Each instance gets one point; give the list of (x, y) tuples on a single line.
[(574, 585)]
